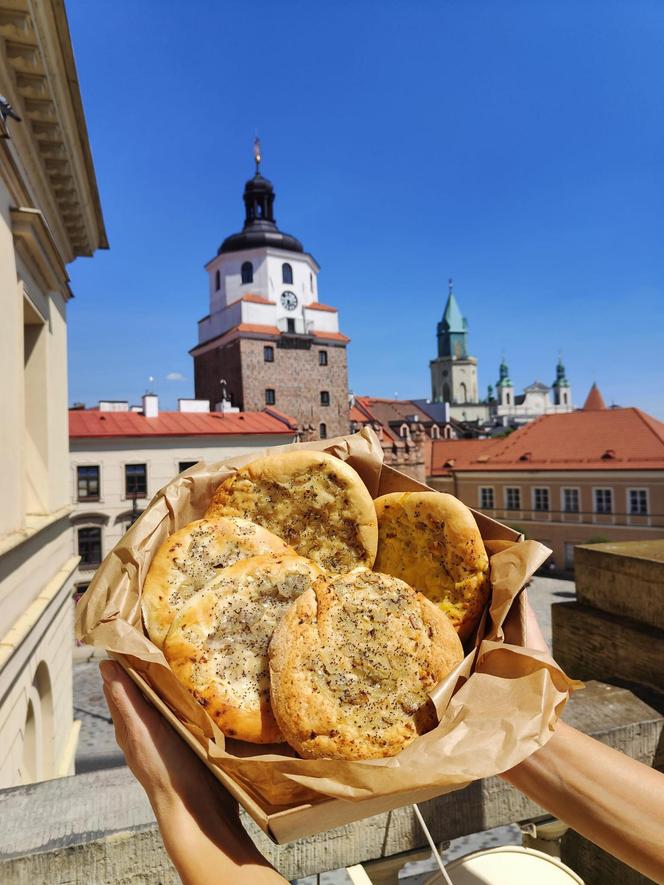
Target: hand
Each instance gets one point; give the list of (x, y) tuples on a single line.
[(198, 819), (166, 768)]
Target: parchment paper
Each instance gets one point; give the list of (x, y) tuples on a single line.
[(496, 708)]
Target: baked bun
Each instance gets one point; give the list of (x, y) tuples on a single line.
[(192, 556), (217, 644), (431, 541), (351, 663), (317, 503)]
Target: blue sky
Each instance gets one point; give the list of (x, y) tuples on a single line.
[(516, 146)]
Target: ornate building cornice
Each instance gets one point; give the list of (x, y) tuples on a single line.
[(50, 146)]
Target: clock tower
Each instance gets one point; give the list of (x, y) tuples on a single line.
[(267, 340)]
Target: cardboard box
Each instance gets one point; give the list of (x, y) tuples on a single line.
[(524, 687)]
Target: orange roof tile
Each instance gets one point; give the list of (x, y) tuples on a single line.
[(457, 454), (606, 439), (331, 336), (256, 299), (594, 401), (316, 305), (91, 423)]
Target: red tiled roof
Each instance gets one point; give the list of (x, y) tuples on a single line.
[(607, 439), (448, 454), (256, 328), (287, 419), (91, 423), (331, 336), (256, 299), (594, 401), (316, 305)]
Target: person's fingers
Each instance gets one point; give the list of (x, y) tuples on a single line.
[(118, 721), (127, 698)]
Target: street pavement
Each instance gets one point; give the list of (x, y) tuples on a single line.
[(97, 747)]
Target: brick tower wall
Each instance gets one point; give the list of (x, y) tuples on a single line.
[(296, 377)]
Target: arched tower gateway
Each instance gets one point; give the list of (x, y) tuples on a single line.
[(267, 340), (454, 371)]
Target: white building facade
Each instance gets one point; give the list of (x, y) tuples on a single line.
[(49, 215)]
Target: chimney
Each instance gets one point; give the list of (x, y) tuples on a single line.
[(150, 405), (193, 405)]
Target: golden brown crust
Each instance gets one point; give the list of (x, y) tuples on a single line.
[(192, 556), (317, 503), (431, 541), (351, 664), (217, 644)]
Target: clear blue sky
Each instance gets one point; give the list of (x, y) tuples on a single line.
[(516, 146)]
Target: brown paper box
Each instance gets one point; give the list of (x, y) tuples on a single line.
[(498, 706)]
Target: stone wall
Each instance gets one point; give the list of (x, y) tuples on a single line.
[(295, 375)]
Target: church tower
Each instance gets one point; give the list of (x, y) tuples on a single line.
[(562, 392), (454, 371), (267, 340), (504, 386)]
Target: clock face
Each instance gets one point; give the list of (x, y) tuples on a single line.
[(289, 300)]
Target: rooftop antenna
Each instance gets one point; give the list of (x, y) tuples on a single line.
[(150, 382), (257, 154)]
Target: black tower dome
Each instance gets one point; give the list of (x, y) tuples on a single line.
[(260, 228)]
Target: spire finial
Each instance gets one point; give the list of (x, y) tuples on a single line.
[(450, 286), (257, 154)]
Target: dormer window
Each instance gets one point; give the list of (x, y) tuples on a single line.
[(247, 272), (217, 281), (286, 274)]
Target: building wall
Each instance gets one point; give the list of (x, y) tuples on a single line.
[(297, 379), (37, 732), (555, 528), (162, 455), (214, 364)]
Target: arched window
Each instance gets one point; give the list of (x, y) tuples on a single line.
[(311, 283), (507, 398), (447, 432), (446, 392), (217, 281), (286, 273), (404, 432), (247, 272), (464, 392), (435, 432), (322, 431)]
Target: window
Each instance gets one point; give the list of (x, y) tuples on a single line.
[(247, 272), (570, 500), (286, 273), (603, 500), (638, 502), (512, 498), (322, 357), (87, 481), (290, 325), (89, 545), (507, 399), (322, 431), (486, 499), (311, 283), (325, 397), (268, 353), (136, 480), (217, 281), (185, 465), (541, 499), (270, 398)]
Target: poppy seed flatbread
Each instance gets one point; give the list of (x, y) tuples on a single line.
[(317, 503), (351, 665), (217, 645), (192, 556), (431, 541)]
